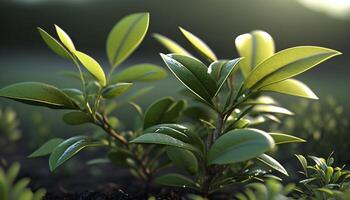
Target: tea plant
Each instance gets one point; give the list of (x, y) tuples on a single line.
[(12, 189), (213, 154), (97, 97), (9, 130)]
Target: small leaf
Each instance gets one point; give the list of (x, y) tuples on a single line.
[(126, 36), (40, 94), (286, 64), (274, 164), (199, 45), (171, 45), (70, 147), (239, 145), (281, 138), (291, 87), (176, 180), (115, 90), (65, 39), (46, 148), (77, 118), (140, 72), (92, 66), (302, 161), (183, 159), (271, 109), (54, 45), (255, 47)]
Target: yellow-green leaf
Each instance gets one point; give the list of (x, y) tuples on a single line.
[(53, 44), (171, 45), (291, 87), (199, 45), (255, 47), (126, 36), (92, 66), (65, 39)]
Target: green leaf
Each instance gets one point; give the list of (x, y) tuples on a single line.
[(39, 194), (255, 47), (286, 64), (40, 94), (92, 66), (183, 159), (274, 164), (171, 45), (77, 118), (162, 139), (239, 145), (221, 70), (70, 147), (75, 95), (199, 45), (139, 93), (193, 74), (119, 157), (272, 109), (281, 138), (46, 148), (126, 36), (302, 161), (54, 45), (115, 90), (65, 39), (291, 87), (140, 72), (173, 113), (176, 180)]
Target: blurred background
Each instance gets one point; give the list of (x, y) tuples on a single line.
[(25, 57)]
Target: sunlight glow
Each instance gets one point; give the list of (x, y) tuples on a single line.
[(334, 8)]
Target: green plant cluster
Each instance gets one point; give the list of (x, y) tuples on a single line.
[(9, 125)]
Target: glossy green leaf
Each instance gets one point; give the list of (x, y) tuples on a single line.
[(286, 64), (183, 159), (221, 70), (65, 39), (54, 45), (281, 138), (199, 45), (193, 74), (156, 110), (126, 36), (291, 87), (302, 161), (92, 66), (77, 118), (140, 72), (46, 148), (173, 112), (176, 180), (171, 45), (115, 90), (271, 109), (239, 145), (70, 147), (255, 47), (75, 95), (274, 164), (162, 139), (40, 94)]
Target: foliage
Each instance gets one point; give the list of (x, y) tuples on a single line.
[(9, 123), (12, 189)]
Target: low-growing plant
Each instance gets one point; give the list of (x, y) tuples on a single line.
[(12, 189), (9, 130), (216, 154)]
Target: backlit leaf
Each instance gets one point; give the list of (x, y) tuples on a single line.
[(54, 45), (274, 164), (281, 138), (171, 45), (65, 39), (92, 66), (271, 109), (115, 90), (140, 72)]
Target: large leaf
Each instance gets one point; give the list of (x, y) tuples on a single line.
[(183, 159), (115, 90), (140, 72), (281, 138), (193, 74), (255, 47), (69, 148), (92, 66), (199, 45), (77, 118), (46, 148), (171, 45), (176, 180), (286, 64), (274, 164), (239, 145), (35, 93), (221, 70), (65, 39), (291, 87), (54, 45), (126, 36)]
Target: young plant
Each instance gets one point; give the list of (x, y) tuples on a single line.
[(226, 142), (12, 189), (96, 98)]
